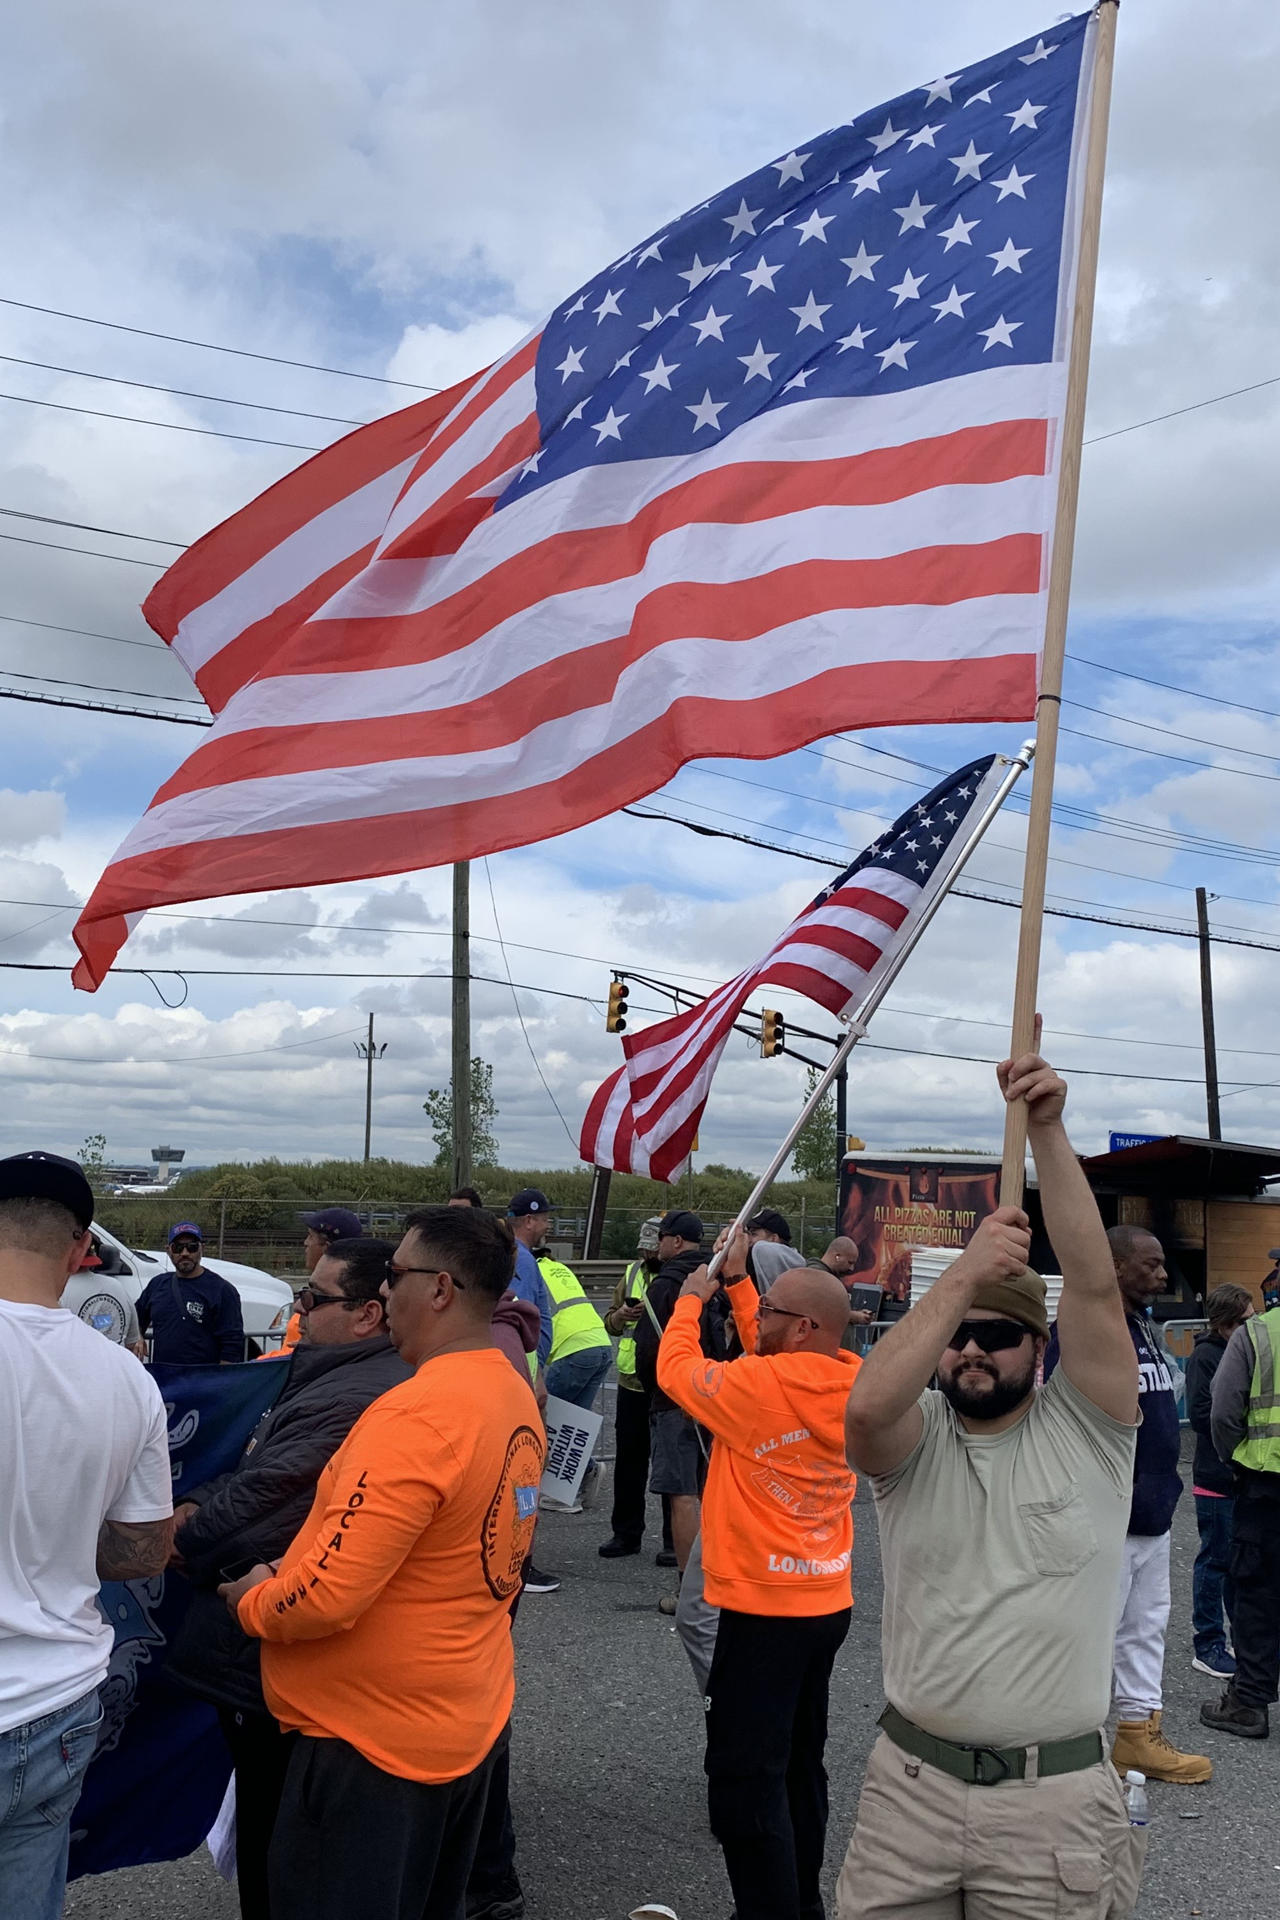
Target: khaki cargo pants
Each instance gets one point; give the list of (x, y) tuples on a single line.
[(927, 1847)]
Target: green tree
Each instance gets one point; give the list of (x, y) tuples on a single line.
[(438, 1107), (814, 1155), (93, 1158)]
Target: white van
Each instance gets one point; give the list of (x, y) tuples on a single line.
[(266, 1302)]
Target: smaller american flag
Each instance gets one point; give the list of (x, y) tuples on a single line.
[(644, 1117)]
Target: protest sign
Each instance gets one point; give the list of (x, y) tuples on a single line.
[(890, 1206), (154, 1787), (571, 1435)]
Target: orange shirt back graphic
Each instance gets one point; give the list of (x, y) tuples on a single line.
[(388, 1625)]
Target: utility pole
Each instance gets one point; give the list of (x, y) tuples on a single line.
[(842, 1120), (368, 1053), (1206, 1014), (462, 1023)]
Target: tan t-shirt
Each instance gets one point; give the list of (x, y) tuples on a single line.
[(1002, 1570)]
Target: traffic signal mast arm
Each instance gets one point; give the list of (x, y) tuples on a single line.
[(772, 1033)]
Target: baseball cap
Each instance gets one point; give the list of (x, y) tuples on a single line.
[(335, 1223), (528, 1200), (769, 1220), (684, 1225), (1022, 1297), (647, 1238), (47, 1176), (185, 1230)]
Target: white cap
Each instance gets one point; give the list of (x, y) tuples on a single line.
[(1135, 1779)]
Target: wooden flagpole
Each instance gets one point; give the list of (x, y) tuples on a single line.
[(1049, 704)]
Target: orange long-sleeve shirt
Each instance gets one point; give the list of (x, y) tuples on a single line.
[(388, 1624), (777, 1531)]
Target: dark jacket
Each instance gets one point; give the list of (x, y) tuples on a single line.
[(1207, 1471), (662, 1297), (1157, 1484), (196, 1322), (253, 1512)]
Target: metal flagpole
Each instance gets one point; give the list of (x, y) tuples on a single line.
[(1049, 704), (858, 1024)]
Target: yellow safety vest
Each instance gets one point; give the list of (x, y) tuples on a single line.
[(575, 1324), (635, 1287), (1260, 1448)]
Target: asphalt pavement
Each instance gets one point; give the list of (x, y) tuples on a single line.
[(607, 1783)]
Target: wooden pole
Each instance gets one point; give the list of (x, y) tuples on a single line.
[(1206, 1015), (1048, 707), (462, 1024)]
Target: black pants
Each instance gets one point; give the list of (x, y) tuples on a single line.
[(494, 1881), (631, 1470), (766, 1782), (351, 1839), (1255, 1570), (260, 1753)]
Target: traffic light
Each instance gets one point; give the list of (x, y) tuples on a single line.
[(616, 1019), (773, 1033)]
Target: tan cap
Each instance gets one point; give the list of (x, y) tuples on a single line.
[(1020, 1298)]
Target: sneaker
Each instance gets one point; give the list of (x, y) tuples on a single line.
[(1219, 1664), (668, 1603), (617, 1548), (1232, 1715), (1144, 1745), (560, 1506), (511, 1908), (666, 1557), (537, 1582)]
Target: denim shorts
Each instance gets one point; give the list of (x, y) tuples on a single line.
[(675, 1457)]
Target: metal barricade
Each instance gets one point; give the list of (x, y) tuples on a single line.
[(1175, 1339)]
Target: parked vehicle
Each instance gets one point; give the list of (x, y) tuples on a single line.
[(265, 1301)]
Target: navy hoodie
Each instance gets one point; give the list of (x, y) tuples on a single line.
[(1157, 1484)]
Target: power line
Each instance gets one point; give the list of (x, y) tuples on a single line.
[(90, 686), (93, 553), (1166, 686), (1179, 759), (247, 1053), (1194, 407), (183, 393), (84, 633), (212, 346), (169, 426), (515, 1001), (83, 526), (1171, 733), (101, 706)]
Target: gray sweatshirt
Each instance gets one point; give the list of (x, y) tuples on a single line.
[(1231, 1386)]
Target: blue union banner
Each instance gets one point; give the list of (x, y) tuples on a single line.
[(155, 1785)]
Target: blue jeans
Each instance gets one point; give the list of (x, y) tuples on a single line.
[(579, 1377), (41, 1769), (1212, 1592)]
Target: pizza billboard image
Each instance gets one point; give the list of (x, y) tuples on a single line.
[(889, 1206)]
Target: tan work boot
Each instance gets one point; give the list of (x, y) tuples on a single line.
[(1142, 1744)]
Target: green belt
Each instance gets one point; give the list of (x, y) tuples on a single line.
[(991, 1766)]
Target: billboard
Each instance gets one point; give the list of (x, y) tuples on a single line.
[(890, 1206)]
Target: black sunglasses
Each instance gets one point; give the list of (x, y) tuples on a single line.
[(396, 1274), (309, 1300), (767, 1306), (989, 1336)]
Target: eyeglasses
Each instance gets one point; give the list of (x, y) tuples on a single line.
[(767, 1306), (309, 1300), (396, 1274), (185, 1246), (989, 1336)]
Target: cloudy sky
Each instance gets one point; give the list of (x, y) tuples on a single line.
[(403, 196)]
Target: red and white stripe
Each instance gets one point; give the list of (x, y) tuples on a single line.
[(403, 678)]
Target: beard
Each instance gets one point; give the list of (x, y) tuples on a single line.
[(988, 1402)]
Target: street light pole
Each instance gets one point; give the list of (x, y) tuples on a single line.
[(369, 1053)]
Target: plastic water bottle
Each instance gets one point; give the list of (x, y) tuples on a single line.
[(1135, 1797)]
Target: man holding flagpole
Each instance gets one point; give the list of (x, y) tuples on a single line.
[(1002, 1510)]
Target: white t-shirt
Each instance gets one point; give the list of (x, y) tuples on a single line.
[(83, 1439)]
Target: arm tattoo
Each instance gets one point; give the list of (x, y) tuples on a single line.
[(133, 1550)]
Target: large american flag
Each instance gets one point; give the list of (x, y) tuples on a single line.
[(786, 467), (644, 1117)]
